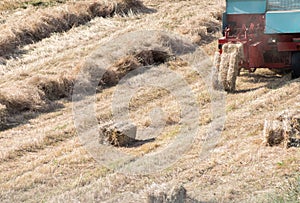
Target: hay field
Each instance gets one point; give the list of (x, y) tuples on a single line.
[(41, 156)]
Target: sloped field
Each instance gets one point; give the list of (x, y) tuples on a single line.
[(43, 50)]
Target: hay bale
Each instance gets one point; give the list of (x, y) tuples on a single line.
[(229, 65), (223, 69), (118, 134), (177, 195), (215, 71), (273, 133), (232, 72), (236, 55), (291, 125), (285, 129)]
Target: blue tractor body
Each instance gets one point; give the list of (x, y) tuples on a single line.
[(246, 6), (281, 16)]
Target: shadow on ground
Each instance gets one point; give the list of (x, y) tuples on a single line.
[(271, 80)]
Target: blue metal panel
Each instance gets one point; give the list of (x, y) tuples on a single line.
[(246, 6), (283, 5), (282, 22)]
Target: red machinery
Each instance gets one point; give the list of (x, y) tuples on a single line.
[(268, 30)]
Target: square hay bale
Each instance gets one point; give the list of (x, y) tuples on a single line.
[(291, 125), (176, 195), (273, 132), (223, 67), (120, 134), (215, 71), (229, 66), (284, 129)]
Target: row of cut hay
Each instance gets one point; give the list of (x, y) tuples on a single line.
[(130, 62), (41, 23), (39, 91), (35, 94), (122, 7), (53, 88), (148, 48)]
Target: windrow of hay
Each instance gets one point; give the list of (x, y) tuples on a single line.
[(133, 6), (283, 129), (53, 88), (22, 98), (39, 91), (39, 24), (35, 94), (130, 62)]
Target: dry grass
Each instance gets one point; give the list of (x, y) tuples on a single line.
[(18, 99), (36, 94), (6, 5), (43, 160), (131, 62), (42, 23)]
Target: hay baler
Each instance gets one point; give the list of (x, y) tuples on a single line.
[(268, 32)]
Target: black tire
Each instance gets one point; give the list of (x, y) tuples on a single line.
[(295, 65)]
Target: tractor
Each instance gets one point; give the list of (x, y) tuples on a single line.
[(258, 34)]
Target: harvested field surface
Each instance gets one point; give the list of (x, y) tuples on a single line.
[(45, 46), (34, 25)]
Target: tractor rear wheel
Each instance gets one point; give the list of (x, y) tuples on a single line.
[(296, 65)]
